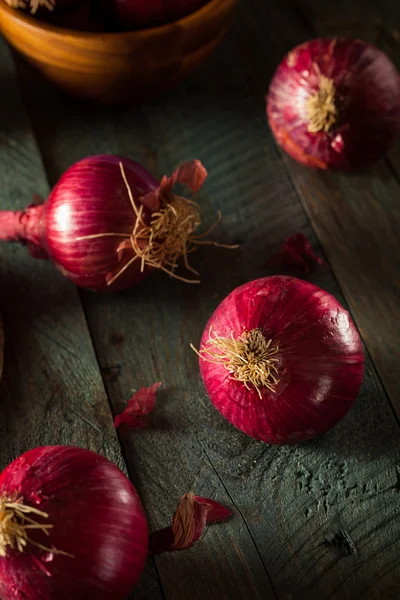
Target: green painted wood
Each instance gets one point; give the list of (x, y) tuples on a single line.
[(51, 391), (294, 503)]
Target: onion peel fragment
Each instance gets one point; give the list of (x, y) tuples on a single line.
[(169, 235), (190, 519), (296, 250), (141, 404)]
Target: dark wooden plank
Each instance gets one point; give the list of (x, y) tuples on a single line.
[(289, 499), (51, 391), (166, 460), (357, 217)]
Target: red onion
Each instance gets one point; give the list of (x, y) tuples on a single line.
[(281, 360), (138, 14), (34, 5), (335, 103), (72, 526), (107, 223)]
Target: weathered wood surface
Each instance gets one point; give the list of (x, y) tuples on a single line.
[(133, 350), (291, 503), (51, 390), (355, 217)]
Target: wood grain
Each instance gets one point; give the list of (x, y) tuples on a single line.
[(166, 460), (292, 503), (51, 391), (356, 217)]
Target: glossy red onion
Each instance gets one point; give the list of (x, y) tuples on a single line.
[(281, 360), (139, 14), (334, 103), (72, 526), (98, 543), (107, 222)]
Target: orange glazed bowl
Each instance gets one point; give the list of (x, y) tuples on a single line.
[(113, 68)]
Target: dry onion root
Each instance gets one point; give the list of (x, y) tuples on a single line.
[(250, 358)]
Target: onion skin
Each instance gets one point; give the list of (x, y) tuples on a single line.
[(296, 250), (188, 524), (140, 405), (368, 86), (87, 264), (97, 517), (108, 223), (321, 360), (139, 14), (79, 205)]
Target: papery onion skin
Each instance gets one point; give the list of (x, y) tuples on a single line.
[(369, 87), (89, 199), (140, 14), (296, 250), (140, 405), (97, 517), (108, 223), (188, 524), (321, 360)]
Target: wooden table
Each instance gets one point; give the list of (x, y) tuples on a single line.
[(316, 521)]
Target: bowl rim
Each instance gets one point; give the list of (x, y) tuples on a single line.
[(28, 21)]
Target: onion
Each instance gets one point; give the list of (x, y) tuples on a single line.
[(108, 223), (281, 360), (72, 526), (138, 14), (34, 5), (335, 103)]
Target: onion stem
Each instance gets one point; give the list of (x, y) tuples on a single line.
[(250, 358), (15, 525), (321, 109)]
